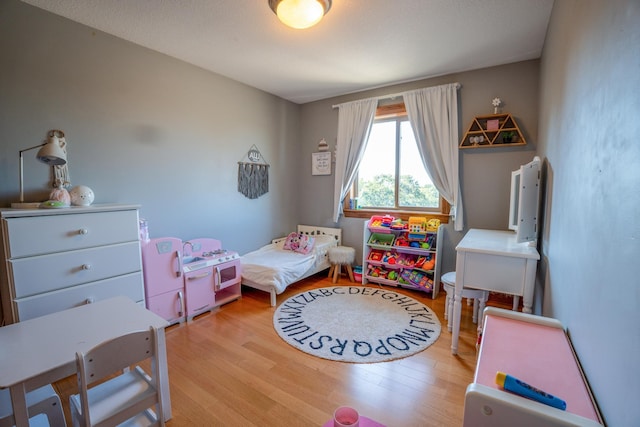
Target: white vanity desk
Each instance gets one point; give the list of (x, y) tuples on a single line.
[(492, 260)]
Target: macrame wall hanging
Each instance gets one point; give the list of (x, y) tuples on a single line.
[(253, 174)]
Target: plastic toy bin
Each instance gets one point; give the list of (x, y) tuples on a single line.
[(381, 224), (381, 240)]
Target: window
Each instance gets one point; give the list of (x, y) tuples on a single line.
[(391, 176)]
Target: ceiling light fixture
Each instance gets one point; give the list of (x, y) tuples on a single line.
[(300, 14)]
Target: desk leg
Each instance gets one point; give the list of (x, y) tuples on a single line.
[(164, 374), (457, 302), (457, 311), (19, 402), (529, 284)]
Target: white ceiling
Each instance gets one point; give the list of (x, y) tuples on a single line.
[(360, 44)]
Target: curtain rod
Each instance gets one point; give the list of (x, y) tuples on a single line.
[(393, 95)]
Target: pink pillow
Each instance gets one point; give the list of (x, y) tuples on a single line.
[(301, 243)]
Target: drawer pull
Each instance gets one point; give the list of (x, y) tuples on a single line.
[(89, 300), (83, 231), (86, 266)]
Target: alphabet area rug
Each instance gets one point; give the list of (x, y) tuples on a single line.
[(356, 324)]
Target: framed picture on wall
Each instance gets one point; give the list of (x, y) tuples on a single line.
[(321, 163)]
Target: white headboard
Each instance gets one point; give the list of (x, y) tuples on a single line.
[(316, 231)]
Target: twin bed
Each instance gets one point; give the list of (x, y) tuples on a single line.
[(272, 268)]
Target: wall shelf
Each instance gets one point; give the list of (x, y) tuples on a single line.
[(493, 131)]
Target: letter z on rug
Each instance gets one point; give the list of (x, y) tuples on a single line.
[(356, 324)]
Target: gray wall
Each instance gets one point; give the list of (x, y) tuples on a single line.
[(589, 126), (142, 128), (145, 128), (485, 172)]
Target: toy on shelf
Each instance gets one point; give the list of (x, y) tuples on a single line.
[(376, 255), (401, 241), (429, 264), (417, 278), (433, 224), (407, 260), (417, 224), (389, 257), (378, 272), (381, 224), (431, 241), (398, 225), (381, 239)]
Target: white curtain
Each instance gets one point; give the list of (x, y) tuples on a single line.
[(433, 114), (354, 124)]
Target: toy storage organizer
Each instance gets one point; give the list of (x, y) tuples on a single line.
[(402, 254)]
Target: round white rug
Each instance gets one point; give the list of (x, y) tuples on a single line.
[(356, 324)]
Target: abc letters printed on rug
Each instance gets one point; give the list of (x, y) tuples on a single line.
[(356, 324)]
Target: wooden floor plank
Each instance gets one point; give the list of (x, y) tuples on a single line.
[(230, 368)]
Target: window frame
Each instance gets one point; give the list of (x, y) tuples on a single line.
[(385, 112)]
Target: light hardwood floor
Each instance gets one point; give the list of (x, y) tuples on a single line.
[(230, 368)]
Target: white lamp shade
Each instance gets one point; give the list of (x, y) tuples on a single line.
[(52, 153)]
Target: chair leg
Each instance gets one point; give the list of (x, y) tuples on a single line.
[(350, 271), (336, 273), (450, 316), (446, 306), (475, 310), (333, 266)]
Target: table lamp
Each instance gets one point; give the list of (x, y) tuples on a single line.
[(51, 153)]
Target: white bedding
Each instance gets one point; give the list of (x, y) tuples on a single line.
[(273, 266)]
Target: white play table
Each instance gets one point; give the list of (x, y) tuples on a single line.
[(42, 350)]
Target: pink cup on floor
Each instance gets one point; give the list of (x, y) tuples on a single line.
[(345, 416)]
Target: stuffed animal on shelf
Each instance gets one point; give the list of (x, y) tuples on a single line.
[(433, 224), (430, 264)]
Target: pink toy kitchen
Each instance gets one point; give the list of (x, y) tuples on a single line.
[(183, 279)]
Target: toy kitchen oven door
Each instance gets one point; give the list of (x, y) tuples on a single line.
[(212, 276)]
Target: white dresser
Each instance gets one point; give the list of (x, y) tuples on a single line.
[(54, 259)]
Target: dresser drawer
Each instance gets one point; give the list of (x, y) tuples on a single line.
[(37, 235), (39, 305), (45, 273)]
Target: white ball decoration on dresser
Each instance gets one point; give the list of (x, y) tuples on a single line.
[(81, 195)]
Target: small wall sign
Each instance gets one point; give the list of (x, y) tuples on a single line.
[(321, 163)]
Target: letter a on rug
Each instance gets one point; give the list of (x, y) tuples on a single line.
[(356, 324)]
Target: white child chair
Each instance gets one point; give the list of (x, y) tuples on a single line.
[(43, 405), (478, 296), (125, 399)]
